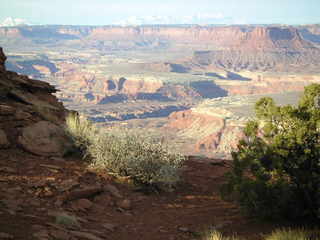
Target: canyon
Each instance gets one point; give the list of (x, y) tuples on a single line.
[(194, 86)]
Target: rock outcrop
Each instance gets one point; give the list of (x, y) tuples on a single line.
[(30, 116)]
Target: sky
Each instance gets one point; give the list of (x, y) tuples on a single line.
[(105, 12)]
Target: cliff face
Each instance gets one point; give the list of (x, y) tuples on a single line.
[(264, 49), (220, 37), (215, 35), (311, 33), (272, 38), (30, 116), (212, 134), (231, 47)]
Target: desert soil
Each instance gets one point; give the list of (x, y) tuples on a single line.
[(35, 191)]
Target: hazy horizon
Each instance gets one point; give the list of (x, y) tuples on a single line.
[(149, 12)]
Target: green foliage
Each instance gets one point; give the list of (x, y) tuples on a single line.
[(147, 163), (276, 169)]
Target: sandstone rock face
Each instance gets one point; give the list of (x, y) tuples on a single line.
[(45, 139), (263, 49), (210, 129)]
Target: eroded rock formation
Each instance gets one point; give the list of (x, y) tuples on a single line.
[(215, 126)]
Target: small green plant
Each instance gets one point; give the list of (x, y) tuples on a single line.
[(276, 169), (67, 220)]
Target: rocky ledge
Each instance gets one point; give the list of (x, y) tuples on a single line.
[(30, 116)]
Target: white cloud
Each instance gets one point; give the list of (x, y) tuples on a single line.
[(10, 22)]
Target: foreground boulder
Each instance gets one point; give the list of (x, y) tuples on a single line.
[(45, 139)]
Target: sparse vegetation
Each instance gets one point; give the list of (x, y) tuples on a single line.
[(276, 170), (81, 131), (279, 234), (215, 235), (147, 163), (67, 220), (293, 234)]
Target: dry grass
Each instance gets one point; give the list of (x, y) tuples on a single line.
[(81, 131), (293, 234), (215, 235), (279, 234)]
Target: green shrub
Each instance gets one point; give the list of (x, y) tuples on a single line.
[(276, 169), (146, 162)]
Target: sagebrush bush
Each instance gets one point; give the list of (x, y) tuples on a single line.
[(146, 162), (276, 169)]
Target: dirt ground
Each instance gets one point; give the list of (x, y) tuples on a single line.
[(35, 191)]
